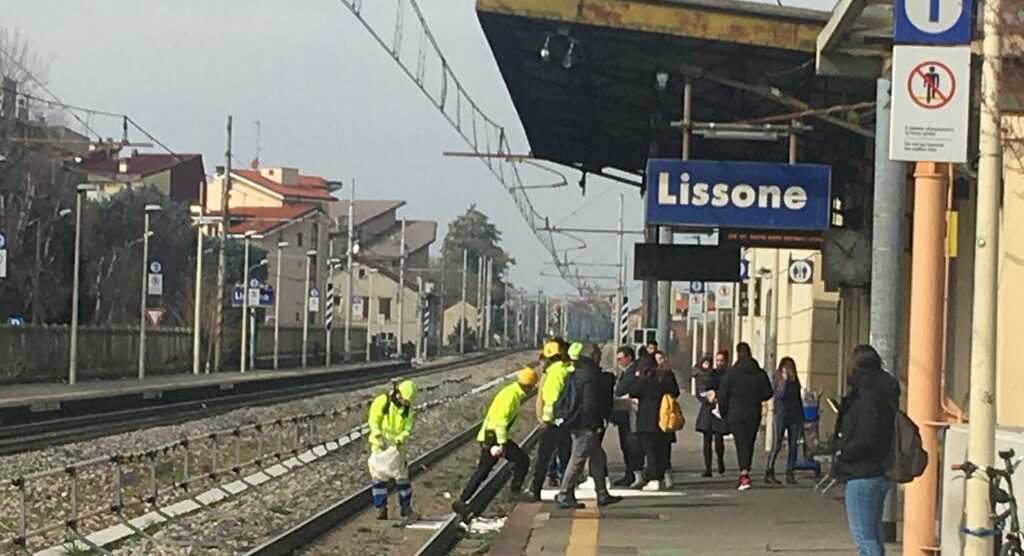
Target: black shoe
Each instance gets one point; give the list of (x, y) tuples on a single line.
[(769, 478), (608, 500), (790, 478), (459, 507), (721, 468), (529, 496), (706, 473), (407, 513), (382, 513), (566, 503), (624, 482)]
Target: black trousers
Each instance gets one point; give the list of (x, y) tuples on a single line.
[(555, 439), (657, 446), (745, 433), (632, 451), (513, 453), (718, 439)]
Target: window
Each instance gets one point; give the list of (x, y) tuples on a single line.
[(366, 308), (362, 273), (298, 240), (315, 237), (385, 307)]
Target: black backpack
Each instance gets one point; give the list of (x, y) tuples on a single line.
[(569, 405), (907, 459)]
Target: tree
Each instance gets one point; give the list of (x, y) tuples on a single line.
[(474, 234)]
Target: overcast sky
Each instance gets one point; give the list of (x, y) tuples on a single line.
[(330, 100)]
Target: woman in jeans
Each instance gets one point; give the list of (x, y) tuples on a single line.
[(652, 383), (787, 420), (864, 440)]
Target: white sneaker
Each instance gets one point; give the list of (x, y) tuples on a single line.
[(668, 481), (638, 480), (652, 486)]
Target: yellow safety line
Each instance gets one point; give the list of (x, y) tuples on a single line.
[(583, 535)]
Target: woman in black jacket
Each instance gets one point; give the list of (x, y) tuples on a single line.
[(709, 420), (864, 439), (651, 385), (744, 388), (787, 419)]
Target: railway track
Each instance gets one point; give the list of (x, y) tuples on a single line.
[(305, 535), (25, 437)]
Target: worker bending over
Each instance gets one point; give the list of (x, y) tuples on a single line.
[(495, 437), (390, 422)]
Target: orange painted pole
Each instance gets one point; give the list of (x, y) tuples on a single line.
[(925, 354)]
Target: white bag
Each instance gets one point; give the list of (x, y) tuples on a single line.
[(386, 464)]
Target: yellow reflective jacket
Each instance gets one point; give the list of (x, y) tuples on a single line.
[(554, 380), (503, 414), (389, 422)]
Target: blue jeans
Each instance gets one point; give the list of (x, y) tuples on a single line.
[(864, 501), (780, 430)]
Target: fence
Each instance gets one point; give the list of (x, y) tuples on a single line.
[(39, 353)]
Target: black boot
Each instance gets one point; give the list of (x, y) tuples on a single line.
[(769, 478), (408, 514), (790, 477), (706, 473), (382, 513)]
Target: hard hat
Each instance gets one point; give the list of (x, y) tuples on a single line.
[(575, 350), (407, 389), (527, 377), (551, 349)]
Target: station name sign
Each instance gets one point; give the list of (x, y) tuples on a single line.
[(738, 195)]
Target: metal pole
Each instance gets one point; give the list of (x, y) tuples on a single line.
[(704, 320), (277, 306), (927, 272), (536, 319), (348, 269), (887, 251), (222, 255), (490, 300), (197, 310), (981, 427), (504, 315), (369, 310), (142, 302), (245, 304), (420, 337), (479, 301), (401, 290), (328, 290), (305, 315), (73, 355), (620, 293), (464, 323), (664, 318)]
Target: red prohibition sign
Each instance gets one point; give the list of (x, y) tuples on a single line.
[(936, 80)]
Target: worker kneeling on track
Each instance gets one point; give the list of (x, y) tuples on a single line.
[(494, 437), (390, 423)]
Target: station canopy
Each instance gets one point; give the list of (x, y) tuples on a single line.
[(598, 84)]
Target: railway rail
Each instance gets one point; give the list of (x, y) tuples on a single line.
[(297, 539), (17, 438)]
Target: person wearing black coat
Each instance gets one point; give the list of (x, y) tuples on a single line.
[(709, 420), (787, 419), (622, 418), (595, 389), (744, 388), (864, 431), (651, 385)]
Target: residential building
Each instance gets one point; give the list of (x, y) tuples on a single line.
[(179, 176), (452, 318)]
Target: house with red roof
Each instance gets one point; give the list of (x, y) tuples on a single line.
[(179, 176)]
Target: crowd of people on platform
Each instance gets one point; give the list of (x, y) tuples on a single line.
[(578, 400)]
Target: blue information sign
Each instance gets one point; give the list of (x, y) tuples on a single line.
[(752, 195), (932, 21)]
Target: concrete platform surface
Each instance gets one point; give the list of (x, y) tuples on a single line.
[(698, 516)]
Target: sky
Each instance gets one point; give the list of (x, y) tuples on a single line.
[(330, 101)]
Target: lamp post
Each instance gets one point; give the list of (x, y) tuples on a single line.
[(147, 211), (80, 191), (369, 309), (197, 302), (277, 306), (247, 240), (305, 312)]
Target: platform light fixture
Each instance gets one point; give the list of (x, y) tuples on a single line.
[(545, 51), (661, 80), (567, 59)]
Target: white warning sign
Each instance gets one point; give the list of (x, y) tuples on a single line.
[(930, 101)]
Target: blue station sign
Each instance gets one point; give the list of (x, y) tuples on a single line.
[(752, 195), (932, 21)]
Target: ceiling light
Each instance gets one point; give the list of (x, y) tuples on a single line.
[(567, 59), (545, 51), (661, 80)]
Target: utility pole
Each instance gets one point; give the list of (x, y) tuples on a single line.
[(536, 319), (981, 428), (504, 312), (463, 323), (222, 256), (149, 209), (245, 300), (277, 306), (369, 310), (401, 290), (348, 269), (480, 261), (73, 356), (488, 314), (197, 301)]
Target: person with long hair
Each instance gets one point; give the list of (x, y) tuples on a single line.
[(787, 420), (652, 384), (864, 431), (709, 420), (744, 388)]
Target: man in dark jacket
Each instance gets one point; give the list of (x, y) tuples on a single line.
[(744, 388), (624, 420), (595, 389)]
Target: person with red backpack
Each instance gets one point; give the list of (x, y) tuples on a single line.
[(864, 441)]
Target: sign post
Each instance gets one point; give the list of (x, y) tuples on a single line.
[(155, 281)]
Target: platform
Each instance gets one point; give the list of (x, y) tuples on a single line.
[(698, 516)]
